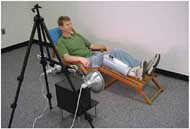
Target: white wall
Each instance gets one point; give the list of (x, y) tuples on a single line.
[(17, 22), (142, 28)]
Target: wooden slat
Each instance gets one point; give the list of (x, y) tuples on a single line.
[(156, 94), (110, 82)]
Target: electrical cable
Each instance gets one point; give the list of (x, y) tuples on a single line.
[(77, 107), (40, 116)]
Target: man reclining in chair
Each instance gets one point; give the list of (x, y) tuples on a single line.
[(75, 48)]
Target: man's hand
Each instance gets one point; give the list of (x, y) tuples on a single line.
[(76, 59), (84, 61)]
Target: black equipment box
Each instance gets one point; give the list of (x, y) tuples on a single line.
[(67, 100)]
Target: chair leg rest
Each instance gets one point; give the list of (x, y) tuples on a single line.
[(109, 83), (157, 92), (146, 98)]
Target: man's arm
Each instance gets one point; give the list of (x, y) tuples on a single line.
[(76, 59)]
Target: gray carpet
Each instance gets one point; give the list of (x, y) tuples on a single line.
[(119, 106)]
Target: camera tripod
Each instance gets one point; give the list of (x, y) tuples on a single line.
[(42, 30)]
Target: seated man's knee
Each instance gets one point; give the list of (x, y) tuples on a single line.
[(118, 50)]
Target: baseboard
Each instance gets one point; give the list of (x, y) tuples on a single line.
[(157, 70), (18, 45), (172, 74), (13, 47)]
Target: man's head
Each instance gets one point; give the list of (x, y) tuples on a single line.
[(65, 24)]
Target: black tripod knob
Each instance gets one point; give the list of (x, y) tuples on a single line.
[(36, 7), (13, 105)]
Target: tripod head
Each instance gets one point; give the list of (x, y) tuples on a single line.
[(36, 7)]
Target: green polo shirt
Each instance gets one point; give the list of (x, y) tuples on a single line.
[(75, 45)]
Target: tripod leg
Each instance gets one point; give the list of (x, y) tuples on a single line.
[(21, 76), (47, 49), (43, 62), (53, 45), (44, 37)]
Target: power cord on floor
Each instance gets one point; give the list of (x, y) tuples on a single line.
[(76, 107), (40, 116)]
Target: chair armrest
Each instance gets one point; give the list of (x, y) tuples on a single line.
[(53, 54), (102, 50)]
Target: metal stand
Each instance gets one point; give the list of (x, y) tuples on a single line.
[(41, 28)]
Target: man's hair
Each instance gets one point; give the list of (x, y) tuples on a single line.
[(61, 19)]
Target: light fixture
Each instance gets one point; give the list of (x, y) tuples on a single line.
[(94, 81)]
